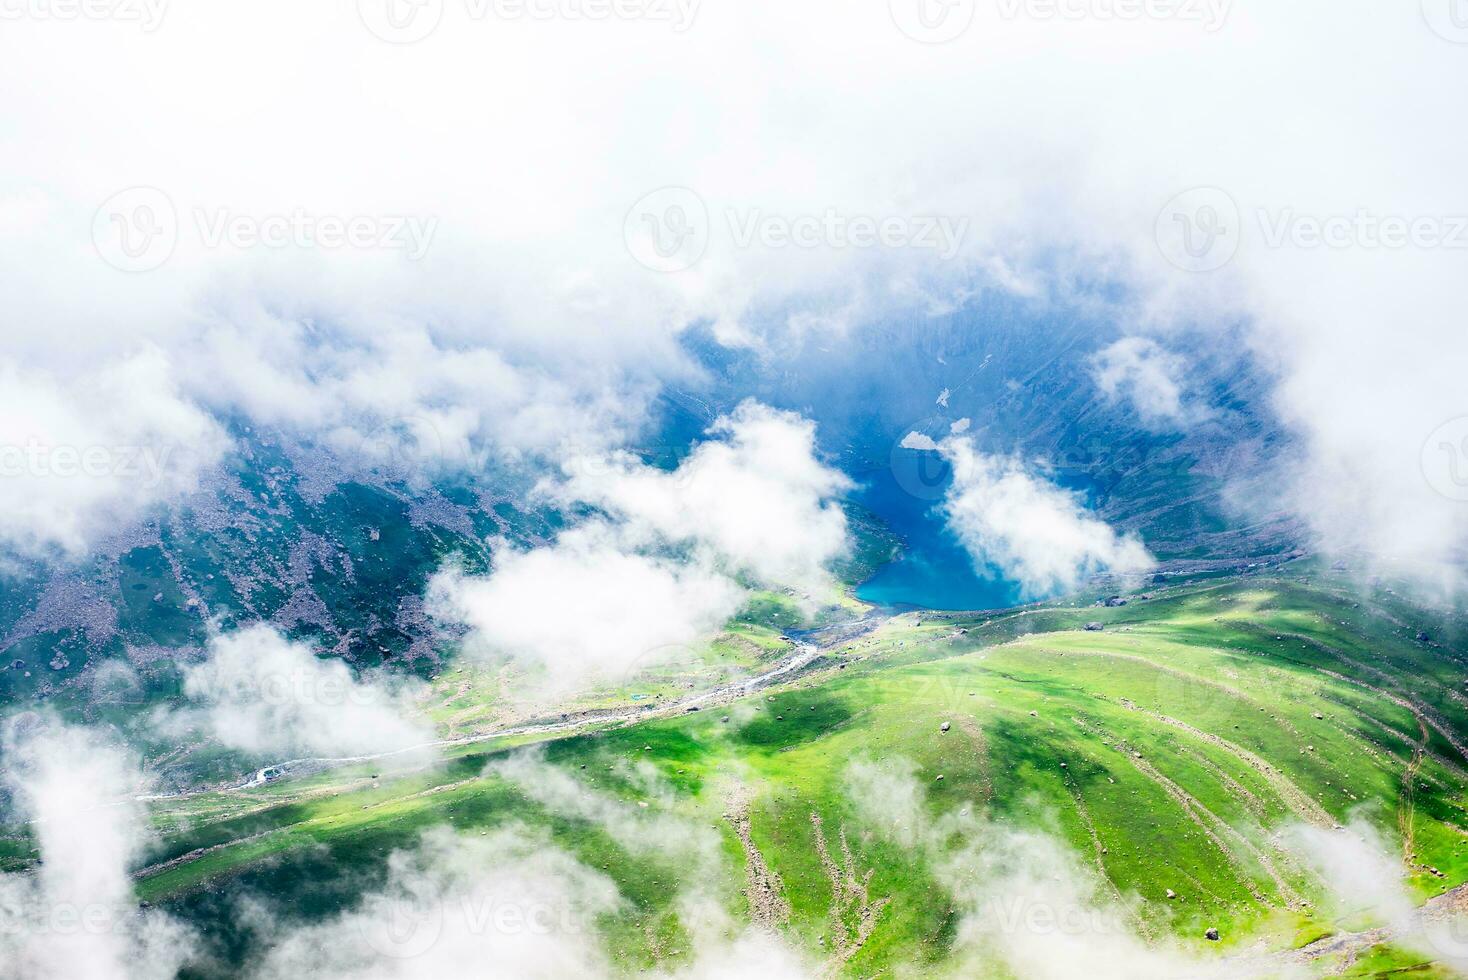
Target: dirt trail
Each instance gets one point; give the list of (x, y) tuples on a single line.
[(1407, 811), (1392, 692), (762, 885), (1301, 804), (1190, 678), (1215, 828), (975, 733), (849, 898)]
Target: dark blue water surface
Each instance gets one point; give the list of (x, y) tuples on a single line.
[(934, 571)]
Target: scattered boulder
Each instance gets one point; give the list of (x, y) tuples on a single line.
[(1115, 601), (945, 726), (1211, 935), (1171, 893), (1422, 636), (1319, 716), (1093, 627)]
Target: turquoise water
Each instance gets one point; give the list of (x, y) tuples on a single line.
[(935, 571)]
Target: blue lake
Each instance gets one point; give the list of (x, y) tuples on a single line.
[(934, 571)]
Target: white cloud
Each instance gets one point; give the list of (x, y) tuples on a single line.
[(672, 559), (644, 831), (586, 607), (1151, 378), (531, 193), (454, 904), (266, 696), (919, 441), (393, 391), (79, 453), (1364, 876), (1024, 898), (888, 796), (510, 898), (755, 499), (77, 916), (1038, 533)]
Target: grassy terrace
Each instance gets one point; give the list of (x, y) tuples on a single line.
[(1164, 750)]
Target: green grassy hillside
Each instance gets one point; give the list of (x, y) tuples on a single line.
[(853, 808)]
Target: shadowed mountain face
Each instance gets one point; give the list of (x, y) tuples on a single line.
[(340, 555), (1023, 378)]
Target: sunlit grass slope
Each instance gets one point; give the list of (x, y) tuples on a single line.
[(1165, 750)]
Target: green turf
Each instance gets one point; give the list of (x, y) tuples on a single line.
[(1164, 751)]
